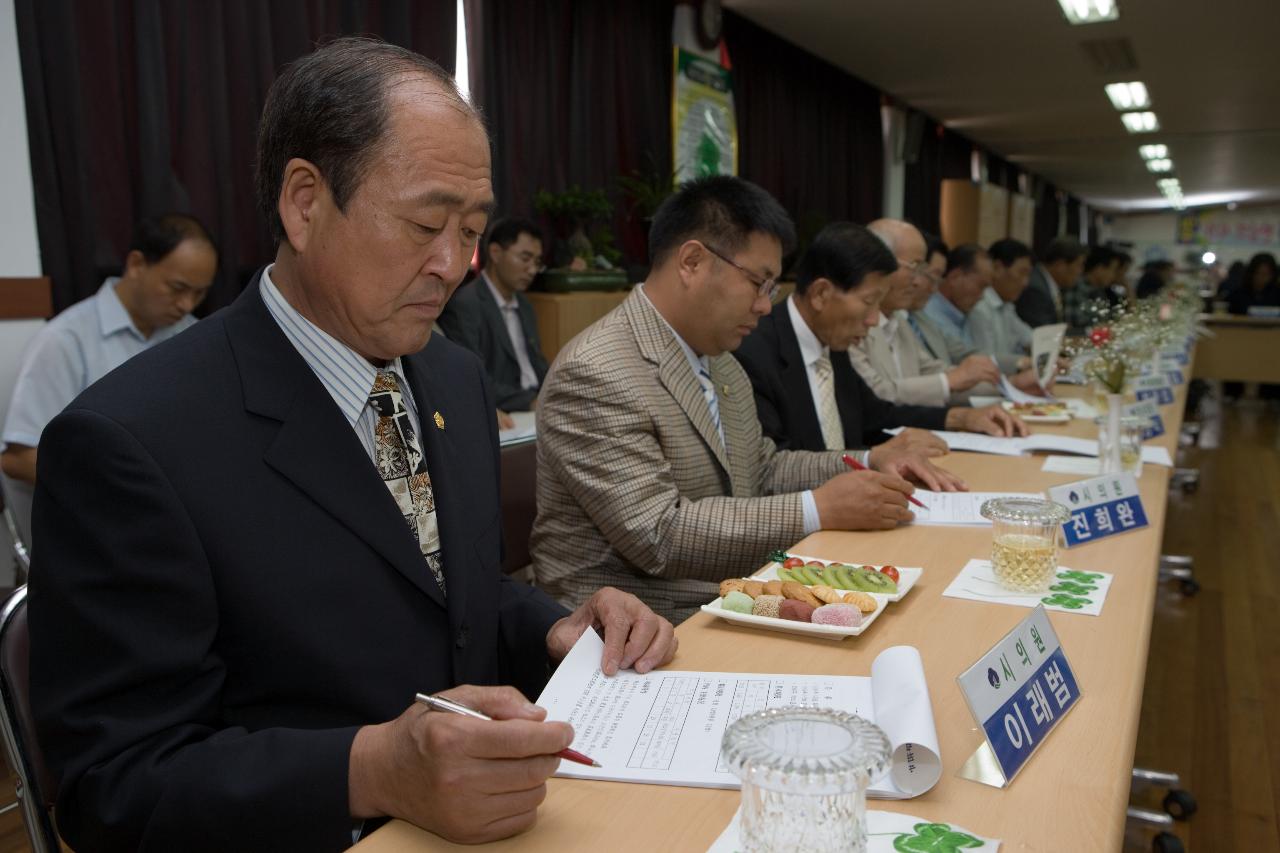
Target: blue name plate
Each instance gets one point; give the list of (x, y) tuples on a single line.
[(1174, 376), (1020, 690), (1149, 411), (1100, 507), (1162, 395)]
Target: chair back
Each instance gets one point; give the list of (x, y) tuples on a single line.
[(36, 786), (17, 541), (519, 506)]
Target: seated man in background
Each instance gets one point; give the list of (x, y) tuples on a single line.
[(1058, 271), (259, 541), (492, 318), (808, 395), (967, 277), (891, 359), (1083, 304), (994, 322), (167, 273), (653, 473), (1156, 275)]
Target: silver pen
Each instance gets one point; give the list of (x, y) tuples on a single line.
[(439, 703)]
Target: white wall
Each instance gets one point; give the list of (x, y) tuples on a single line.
[(19, 245), (1155, 235)]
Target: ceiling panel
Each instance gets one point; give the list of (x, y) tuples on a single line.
[(1013, 75)]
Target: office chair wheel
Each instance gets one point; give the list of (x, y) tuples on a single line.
[(1189, 587), (1167, 842), (1179, 804)]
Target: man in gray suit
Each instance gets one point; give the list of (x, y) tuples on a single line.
[(653, 470), (492, 318), (1061, 265)]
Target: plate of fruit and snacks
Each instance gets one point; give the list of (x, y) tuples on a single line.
[(892, 582), (1040, 413), (794, 608)]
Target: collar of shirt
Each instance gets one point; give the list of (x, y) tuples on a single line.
[(811, 349), (112, 315), (345, 374), (889, 322), (696, 362), (944, 307), (992, 298), (504, 304)]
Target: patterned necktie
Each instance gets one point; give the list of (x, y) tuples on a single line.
[(709, 393), (399, 459), (828, 414)]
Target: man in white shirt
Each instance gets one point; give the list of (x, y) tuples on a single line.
[(891, 359), (994, 322), (492, 318), (167, 273)]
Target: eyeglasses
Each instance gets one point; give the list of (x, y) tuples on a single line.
[(921, 269), (526, 259), (766, 287)]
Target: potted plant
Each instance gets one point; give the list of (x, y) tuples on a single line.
[(580, 218)]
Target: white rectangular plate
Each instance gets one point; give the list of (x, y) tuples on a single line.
[(1038, 419), (907, 577), (786, 626)]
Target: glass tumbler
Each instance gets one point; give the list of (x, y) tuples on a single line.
[(1024, 541), (804, 775), (1129, 436)]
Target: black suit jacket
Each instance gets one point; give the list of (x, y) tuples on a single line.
[(771, 356), (1035, 305), (225, 590), (473, 319)]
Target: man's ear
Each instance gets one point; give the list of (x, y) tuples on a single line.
[(819, 293), (692, 261), (301, 191), (134, 263)]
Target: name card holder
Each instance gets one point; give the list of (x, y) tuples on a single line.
[(1154, 387), (1100, 507), (1018, 693), (1148, 410)]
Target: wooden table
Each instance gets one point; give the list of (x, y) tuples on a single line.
[(1242, 349), (1073, 792)]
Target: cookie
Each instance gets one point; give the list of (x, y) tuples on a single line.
[(755, 589), (773, 587), (730, 585), (826, 594), (800, 592), (861, 600)]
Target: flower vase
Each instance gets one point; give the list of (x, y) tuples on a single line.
[(1109, 436)]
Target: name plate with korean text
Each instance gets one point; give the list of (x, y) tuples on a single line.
[(1175, 377), (1149, 411), (1018, 692), (1154, 388), (1100, 507)]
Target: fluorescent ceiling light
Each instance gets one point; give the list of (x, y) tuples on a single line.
[(1129, 96), (1089, 11), (1162, 165), (1145, 122), (1153, 152), (1168, 183), (1208, 257)]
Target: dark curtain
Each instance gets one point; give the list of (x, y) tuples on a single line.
[(1046, 216), (922, 180), (575, 92), (1073, 218), (809, 132), (1001, 172), (142, 107), (957, 156)]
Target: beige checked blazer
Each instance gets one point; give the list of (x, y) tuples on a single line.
[(635, 489), (918, 383)]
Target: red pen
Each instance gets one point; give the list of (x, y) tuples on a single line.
[(439, 703), (858, 466)]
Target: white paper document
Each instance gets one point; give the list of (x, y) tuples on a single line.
[(665, 727), (958, 507), (1001, 446), (1046, 343), (887, 832), (526, 428)]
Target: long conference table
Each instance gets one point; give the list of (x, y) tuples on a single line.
[(1071, 794)]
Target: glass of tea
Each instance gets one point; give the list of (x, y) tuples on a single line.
[(1024, 541)]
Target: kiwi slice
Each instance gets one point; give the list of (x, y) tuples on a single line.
[(876, 582), (844, 577), (784, 574), (807, 575), (829, 576)]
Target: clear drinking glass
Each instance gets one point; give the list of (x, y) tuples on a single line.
[(1130, 440), (1024, 541), (804, 775)]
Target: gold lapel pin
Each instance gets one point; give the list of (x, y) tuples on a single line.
[(439, 421)]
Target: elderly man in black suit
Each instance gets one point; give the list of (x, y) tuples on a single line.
[(492, 318), (256, 542), (808, 395)]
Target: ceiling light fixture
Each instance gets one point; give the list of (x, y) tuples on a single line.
[(1168, 183), (1144, 122), (1208, 258), (1162, 165), (1129, 96), (1153, 152), (1089, 11)]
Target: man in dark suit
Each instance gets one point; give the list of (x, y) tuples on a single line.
[(1060, 266), (808, 395), (259, 540), (492, 318)]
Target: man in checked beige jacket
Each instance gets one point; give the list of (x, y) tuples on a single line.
[(653, 474)]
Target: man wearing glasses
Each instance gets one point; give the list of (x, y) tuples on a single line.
[(492, 318), (653, 471)]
